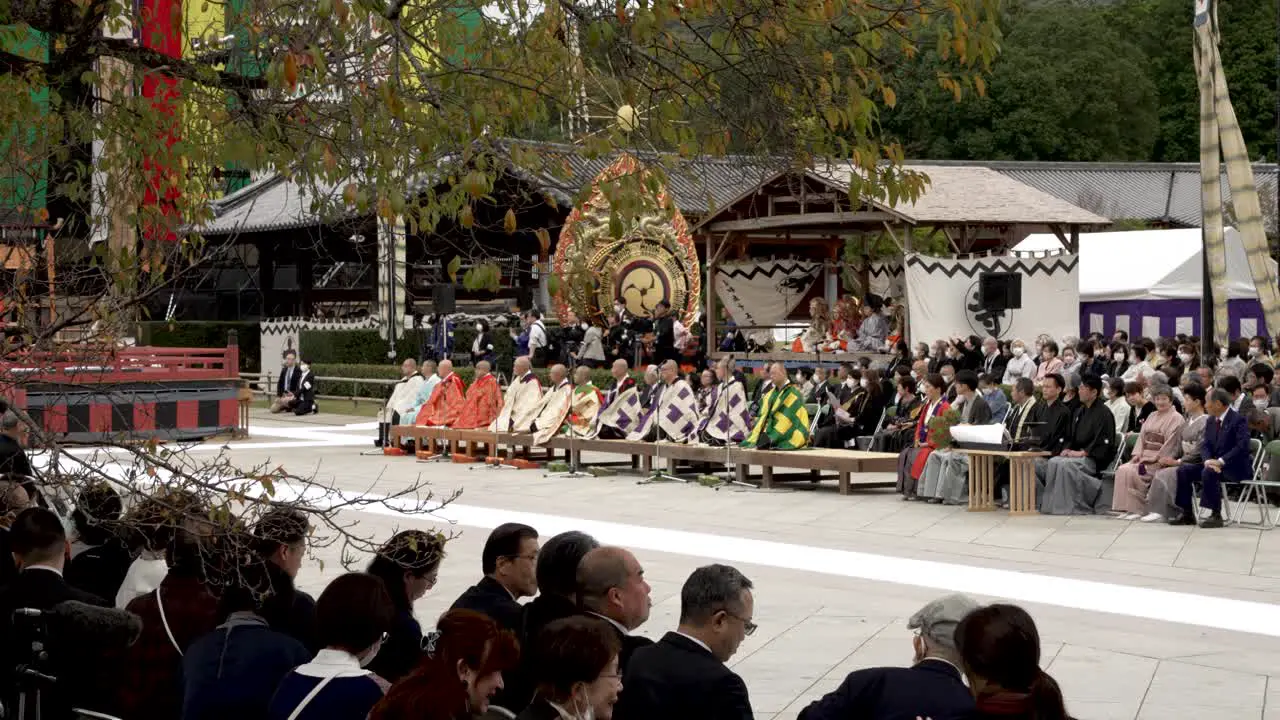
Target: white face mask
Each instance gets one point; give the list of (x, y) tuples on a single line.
[(479, 327), (589, 713), (1068, 360), (1254, 351), (863, 382), (1223, 353), (585, 325), (1018, 351), (1185, 358), (947, 379), (914, 376), (1118, 357), (848, 382)]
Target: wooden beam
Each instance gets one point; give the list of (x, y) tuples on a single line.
[(813, 219)]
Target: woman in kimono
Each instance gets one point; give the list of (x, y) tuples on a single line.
[(1159, 438), (1160, 496), (910, 457)]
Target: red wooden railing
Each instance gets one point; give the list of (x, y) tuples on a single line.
[(95, 364)]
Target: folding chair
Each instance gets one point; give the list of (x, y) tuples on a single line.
[(1126, 443), (1255, 488), (1255, 451)]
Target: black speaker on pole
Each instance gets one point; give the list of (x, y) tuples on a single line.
[(443, 299), (1000, 290)]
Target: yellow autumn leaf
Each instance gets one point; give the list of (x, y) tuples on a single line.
[(890, 97), (466, 218), (509, 221)]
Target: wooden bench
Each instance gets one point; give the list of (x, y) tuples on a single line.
[(844, 463)]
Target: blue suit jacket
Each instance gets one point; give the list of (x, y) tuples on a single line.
[(1228, 440)]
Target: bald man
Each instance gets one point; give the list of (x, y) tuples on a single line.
[(554, 407), (584, 414), (783, 422), (524, 397), (611, 586), (728, 418), (673, 416), (445, 404), (484, 400), (622, 410)]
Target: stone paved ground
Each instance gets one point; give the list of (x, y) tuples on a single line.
[(1132, 616)]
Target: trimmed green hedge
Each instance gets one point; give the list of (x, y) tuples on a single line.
[(202, 334)]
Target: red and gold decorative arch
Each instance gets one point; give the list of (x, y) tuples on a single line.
[(653, 259)]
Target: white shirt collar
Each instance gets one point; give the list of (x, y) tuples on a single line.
[(622, 629), (700, 644), (1235, 404), (333, 662), (1223, 416), (50, 568)]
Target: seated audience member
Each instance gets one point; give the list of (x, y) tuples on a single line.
[(783, 422), (1224, 455), (841, 422), (233, 671), (932, 687), (913, 457), (408, 564), (1233, 361), (1164, 485), (948, 379), (993, 361), (557, 576), (1136, 396), (507, 561), (151, 524), (281, 540), (1070, 484), (1019, 427), (1118, 404), (174, 615), (683, 676), (38, 542), (1158, 439), (1000, 654), (946, 470), (1050, 363), (576, 671), (997, 401), (1119, 364), (1258, 352), (1140, 369), (1258, 421), (907, 410), (100, 558), (1021, 365), (462, 665), (1070, 361), (611, 586), (352, 615), (1265, 375), (867, 422), (13, 500)]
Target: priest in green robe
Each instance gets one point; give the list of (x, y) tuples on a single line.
[(783, 423)]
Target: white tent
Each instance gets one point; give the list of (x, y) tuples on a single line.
[(1148, 264)]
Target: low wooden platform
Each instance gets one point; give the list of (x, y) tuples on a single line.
[(846, 464)]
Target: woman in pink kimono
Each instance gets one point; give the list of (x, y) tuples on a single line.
[(1161, 432)]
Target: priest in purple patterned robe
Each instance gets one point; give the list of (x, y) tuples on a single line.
[(622, 410), (674, 414), (728, 418)]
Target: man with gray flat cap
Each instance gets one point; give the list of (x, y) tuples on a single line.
[(931, 688)]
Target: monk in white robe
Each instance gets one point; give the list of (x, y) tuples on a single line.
[(403, 396), (428, 386), (554, 407), (521, 403), (584, 411), (674, 415)]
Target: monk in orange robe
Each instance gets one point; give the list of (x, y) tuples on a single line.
[(484, 400), (445, 404)]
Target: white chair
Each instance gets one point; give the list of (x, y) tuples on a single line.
[(1255, 490)]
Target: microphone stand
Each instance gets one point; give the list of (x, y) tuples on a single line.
[(573, 471), (658, 475), (730, 477)]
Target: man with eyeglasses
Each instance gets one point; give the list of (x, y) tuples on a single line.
[(932, 687), (508, 561), (683, 676)]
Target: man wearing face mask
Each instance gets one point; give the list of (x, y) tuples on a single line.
[(683, 676), (932, 687), (482, 346), (949, 377)]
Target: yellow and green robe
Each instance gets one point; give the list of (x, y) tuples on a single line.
[(783, 420)]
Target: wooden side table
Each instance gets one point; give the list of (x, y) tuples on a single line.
[(1022, 480)]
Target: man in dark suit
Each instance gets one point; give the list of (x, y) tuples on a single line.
[(287, 384), (932, 687), (664, 333), (611, 586), (507, 561), (13, 459), (305, 401), (683, 676), (39, 543), (1225, 451), (281, 538)]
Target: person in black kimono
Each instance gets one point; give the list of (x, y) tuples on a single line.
[(1071, 485), (306, 397)]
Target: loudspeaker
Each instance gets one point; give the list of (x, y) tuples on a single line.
[(1000, 290), (443, 300)]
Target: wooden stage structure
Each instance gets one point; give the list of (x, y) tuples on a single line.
[(475, 445)]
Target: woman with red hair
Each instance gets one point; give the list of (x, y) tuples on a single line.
[(461, 669)]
